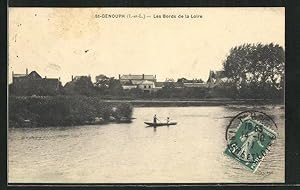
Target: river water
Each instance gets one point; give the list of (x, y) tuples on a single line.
[(190, 152)]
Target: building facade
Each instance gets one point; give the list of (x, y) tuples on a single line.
[(34, 84), (146, 85)]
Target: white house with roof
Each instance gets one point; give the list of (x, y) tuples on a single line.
[(146, 85), (143, 82)]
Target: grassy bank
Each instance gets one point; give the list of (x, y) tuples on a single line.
[(65, 111)]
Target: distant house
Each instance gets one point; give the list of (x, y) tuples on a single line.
[(216, 78), (130, 77), (34, 84), (146, 85), (143, 82), (194, 83)]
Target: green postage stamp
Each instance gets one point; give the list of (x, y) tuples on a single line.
[(250, 142)]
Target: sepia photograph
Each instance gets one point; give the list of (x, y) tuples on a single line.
[(146, 95)]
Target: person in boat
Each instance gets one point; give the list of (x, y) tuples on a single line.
[(155, 119), (168, 120)]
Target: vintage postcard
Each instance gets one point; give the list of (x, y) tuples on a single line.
[(146, 95)]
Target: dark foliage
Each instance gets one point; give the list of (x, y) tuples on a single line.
[(256, 70), (80, 86), (38, 88), (63, 110)]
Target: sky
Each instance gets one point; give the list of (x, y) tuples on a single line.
[(61, 42)]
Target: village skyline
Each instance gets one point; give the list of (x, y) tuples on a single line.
[(83, 45), (33, 83), (93, 77)]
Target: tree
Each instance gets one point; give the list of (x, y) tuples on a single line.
[(256, 70), (81, 86), (115, 87), (102, 84), (102, 81), (108, 85)]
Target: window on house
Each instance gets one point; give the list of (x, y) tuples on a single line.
[(145, 86), (149, 86)]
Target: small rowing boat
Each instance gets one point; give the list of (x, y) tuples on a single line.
[(150, 124)]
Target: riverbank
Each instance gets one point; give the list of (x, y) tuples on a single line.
[(195, 102), (39, 111), (65, 111)]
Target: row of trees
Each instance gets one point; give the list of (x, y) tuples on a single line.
[(84, 86), (255, 71)]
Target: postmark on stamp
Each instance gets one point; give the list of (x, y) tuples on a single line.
[(249, 136)]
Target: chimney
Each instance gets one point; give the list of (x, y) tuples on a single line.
[(72, 78), (143, 76), (119, 76), (26, 71)]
